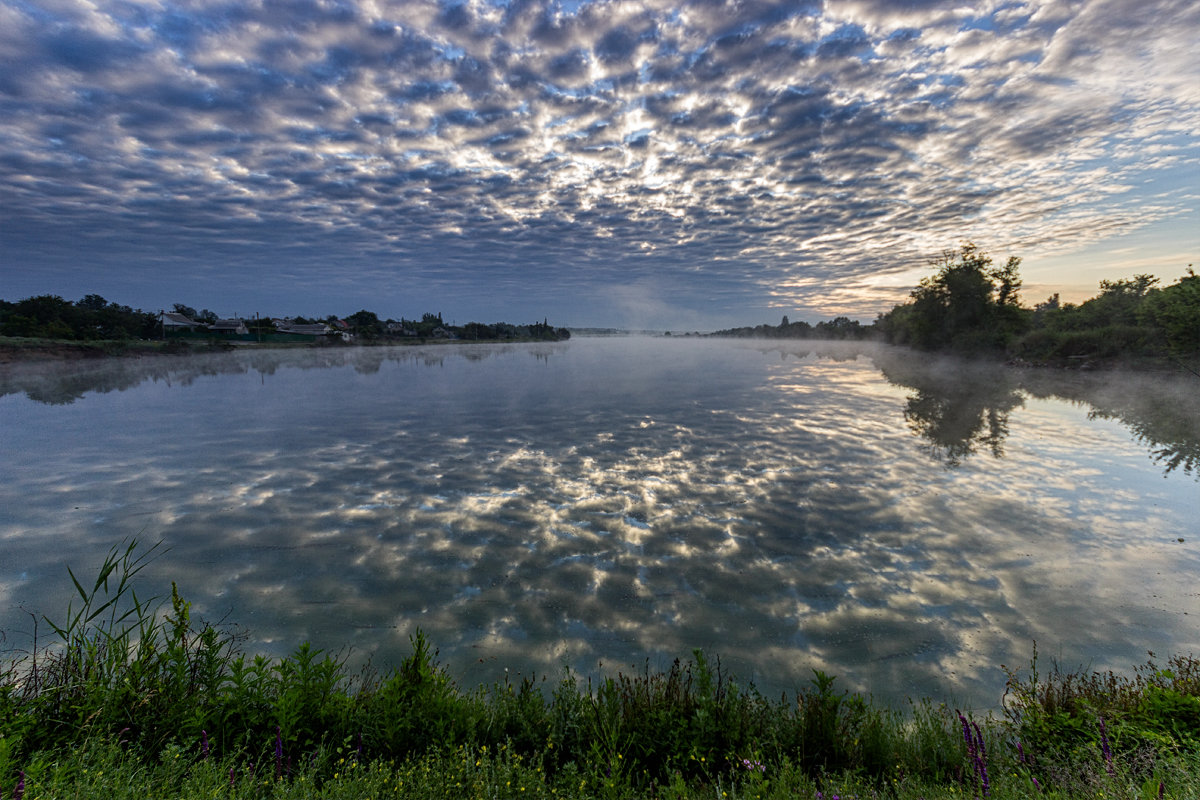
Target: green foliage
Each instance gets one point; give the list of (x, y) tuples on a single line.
[(92, 318), (95, 319), (1175, 311), (365, 324), (969, 305), (1072, 723), (1129, 320), (838, 328), (415, 707), (108, 770)]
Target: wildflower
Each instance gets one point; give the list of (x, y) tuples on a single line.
[(19, 790), (976, 752), (203, 743), (1104, 748)]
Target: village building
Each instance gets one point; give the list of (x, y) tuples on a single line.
[(232, 326), (173, 321)]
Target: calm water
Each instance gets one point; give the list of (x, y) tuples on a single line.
[(904, 524)]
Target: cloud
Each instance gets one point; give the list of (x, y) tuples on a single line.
[(830, 142)]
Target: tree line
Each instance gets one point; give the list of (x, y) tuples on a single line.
[(95, 319), (970, 305), (837, 328), (91, 319)]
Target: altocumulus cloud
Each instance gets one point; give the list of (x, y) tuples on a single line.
[(708, 160)]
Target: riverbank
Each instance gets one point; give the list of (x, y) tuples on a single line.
[(22, 349), (18, 349), (134, 700)]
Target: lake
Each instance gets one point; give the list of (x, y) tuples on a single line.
[(905, 523)]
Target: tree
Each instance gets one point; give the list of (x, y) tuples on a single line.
[(1176, 311), (967, 305), (365, 324)]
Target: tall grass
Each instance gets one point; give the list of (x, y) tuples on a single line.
[(139, 689)]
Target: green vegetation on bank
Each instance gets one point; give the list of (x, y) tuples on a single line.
[(972, 306), (94, 319), (134, 699), (839, 328), (91, 319)]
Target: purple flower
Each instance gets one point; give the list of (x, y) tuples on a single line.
[(1104, 748), (203, 743), (19, 790), (981, 759), (976, 751), (968, 737), (278, 752)]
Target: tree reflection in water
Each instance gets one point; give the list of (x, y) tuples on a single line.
[(956, 424), (960, 408)]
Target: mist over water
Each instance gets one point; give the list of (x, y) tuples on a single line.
[(905, 525)]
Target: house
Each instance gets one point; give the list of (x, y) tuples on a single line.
[(229, 326), (172, 321), (400, 329), (306, 329)]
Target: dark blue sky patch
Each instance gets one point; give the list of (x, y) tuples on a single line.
[(87, 52)]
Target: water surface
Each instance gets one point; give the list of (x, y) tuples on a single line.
[(904, 524)]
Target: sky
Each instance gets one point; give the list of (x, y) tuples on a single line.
[(668, 165)]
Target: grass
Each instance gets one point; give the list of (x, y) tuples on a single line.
[(132, 698)]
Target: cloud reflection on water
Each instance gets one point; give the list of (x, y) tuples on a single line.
[(618, 500)]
